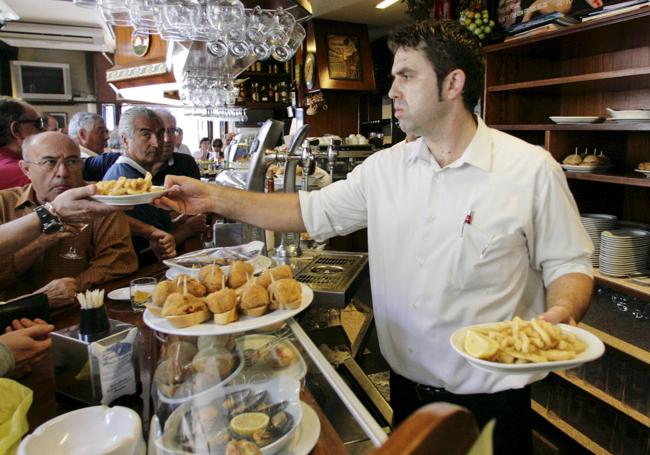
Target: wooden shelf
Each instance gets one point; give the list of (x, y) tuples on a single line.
[(604, 397), (606, 81), (264, 75), (622, 284), (567, 429), (619, 178), (623, 346), (545, 41), (605, 126), (264, 105)]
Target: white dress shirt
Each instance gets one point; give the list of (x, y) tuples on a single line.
[(85, 152), (475, 241)]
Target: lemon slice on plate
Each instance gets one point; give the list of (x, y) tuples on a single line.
[(479, 346), (249, 422), (141, 296)]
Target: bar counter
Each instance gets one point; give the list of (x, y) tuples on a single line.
[(41, 380)]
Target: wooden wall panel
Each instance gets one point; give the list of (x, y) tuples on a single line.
[(103, 91), (340, 118)]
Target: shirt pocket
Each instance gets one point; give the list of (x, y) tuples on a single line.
[(485, 260)]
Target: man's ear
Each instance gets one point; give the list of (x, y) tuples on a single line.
[(83, 134), (14, 130), (24, 166), (453, 85)]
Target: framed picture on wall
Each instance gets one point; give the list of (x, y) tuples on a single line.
[(61, 118), (343, 57)]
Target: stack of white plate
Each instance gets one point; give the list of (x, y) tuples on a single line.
[(594, 224), (624, 251)]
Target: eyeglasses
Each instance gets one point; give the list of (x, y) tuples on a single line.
[(39, 122), (50, 163)]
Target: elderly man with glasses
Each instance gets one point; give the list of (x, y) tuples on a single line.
[(18, 120), (53, 164)]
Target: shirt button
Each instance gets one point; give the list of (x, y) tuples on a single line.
[(421, 261)]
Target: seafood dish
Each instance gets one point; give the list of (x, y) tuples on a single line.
[(262, 416)]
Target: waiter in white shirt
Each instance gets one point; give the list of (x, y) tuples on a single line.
[(466, 225)]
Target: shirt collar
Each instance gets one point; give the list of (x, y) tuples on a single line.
[(27, 198), (86, 152), (478, 153), (126, 160)]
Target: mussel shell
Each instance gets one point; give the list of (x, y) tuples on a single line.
[(235, 399), (251, 403), (264, 437), (280, 423), (271, 408)]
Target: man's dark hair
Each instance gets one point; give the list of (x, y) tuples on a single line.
[(204, 139), (448, 45), (10, 111), (217, 143)]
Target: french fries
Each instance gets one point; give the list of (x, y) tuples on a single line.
[(123, 186), (531, 341)]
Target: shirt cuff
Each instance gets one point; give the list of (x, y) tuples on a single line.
[(7, 361), (318, 227), (552, 275)]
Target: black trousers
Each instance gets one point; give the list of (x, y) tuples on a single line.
[(510, 408)]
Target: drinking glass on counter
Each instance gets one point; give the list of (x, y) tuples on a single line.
[(141, 290)]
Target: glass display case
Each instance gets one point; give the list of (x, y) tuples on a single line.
[(239, 372)]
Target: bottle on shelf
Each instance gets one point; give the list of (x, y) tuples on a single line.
[(287, 67), (284, 95), (264, 94), (276, 93), (258, 66)]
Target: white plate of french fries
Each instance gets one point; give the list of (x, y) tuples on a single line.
[(124, 191), (131, 199), (524, 347)]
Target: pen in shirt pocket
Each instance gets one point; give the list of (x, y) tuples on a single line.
[(468, 220)]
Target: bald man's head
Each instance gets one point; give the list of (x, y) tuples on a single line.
[(51, 161)]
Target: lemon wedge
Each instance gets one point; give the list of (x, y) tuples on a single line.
[(141, 296), (249, 422), (479, 346)]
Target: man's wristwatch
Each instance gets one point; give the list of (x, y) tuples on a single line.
[(50, 223)]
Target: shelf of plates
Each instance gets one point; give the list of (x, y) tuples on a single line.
[(580, 71)]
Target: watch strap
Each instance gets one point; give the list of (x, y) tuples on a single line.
[(50, 223)]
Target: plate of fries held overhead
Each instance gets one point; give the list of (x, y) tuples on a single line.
[(519, 346), (125, 191)]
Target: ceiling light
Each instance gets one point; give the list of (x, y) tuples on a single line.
[(385, 4)]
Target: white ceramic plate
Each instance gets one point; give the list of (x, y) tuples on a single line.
[(279, 389), (244, 324), (646, 173), (116, 430), (575, 119), (578, 168), (260, 263), (131, 199), (259, 371), (307, 433), (595, 349), (629, 120), (120, 294)]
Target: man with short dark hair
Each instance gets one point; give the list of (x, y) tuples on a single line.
[(89, 131), (466, 225), (18, 120), (52, 162)]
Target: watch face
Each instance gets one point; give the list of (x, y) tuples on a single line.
[(310, 70)]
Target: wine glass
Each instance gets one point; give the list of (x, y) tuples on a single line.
[(72, 252)]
